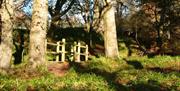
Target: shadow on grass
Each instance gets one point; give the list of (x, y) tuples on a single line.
[(163, 70), (136, 64), (113, 82), (109, 77), (151, 85)]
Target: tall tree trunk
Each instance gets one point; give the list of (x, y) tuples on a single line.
[(110, 36), (39, 27), (6, 33)]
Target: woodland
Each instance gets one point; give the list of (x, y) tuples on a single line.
[(93, 45)]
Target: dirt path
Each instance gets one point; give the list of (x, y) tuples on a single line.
[(59, 69)]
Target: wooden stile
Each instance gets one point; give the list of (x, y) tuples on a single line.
[(57, 50), (63, 50), (75, 51), (78, 52), (86, 53)]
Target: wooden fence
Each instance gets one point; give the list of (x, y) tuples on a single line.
[(76, 51)]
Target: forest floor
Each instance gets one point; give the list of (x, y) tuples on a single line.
[(160, 73)]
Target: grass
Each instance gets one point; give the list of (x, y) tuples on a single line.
[(105, 64), (160, 73), (48, 82)]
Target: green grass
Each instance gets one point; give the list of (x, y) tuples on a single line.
[(160, 73), (106, 64), (157, 73), (157, 61), (72, 81)]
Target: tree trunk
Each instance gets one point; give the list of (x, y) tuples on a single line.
[(39, 27), (110, 36), (6, 33)]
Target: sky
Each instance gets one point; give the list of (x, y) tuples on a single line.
[(28, 9)]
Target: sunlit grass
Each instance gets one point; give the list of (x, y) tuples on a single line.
[(118, 72), (72, 81), (163, 75), (106, 64), (158, 61)]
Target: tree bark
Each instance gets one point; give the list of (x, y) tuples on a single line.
[(110, 36), (6, 33), (38, 30)]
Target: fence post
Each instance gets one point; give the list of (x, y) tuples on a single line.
[(57, 51), (86, 53), (74, 51), (78, 52), (63, 50)]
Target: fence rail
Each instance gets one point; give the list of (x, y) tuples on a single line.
[(76, 51)]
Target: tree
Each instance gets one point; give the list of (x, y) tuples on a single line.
[(6, 33), (38, 30), (110, 37), (58, 10)]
